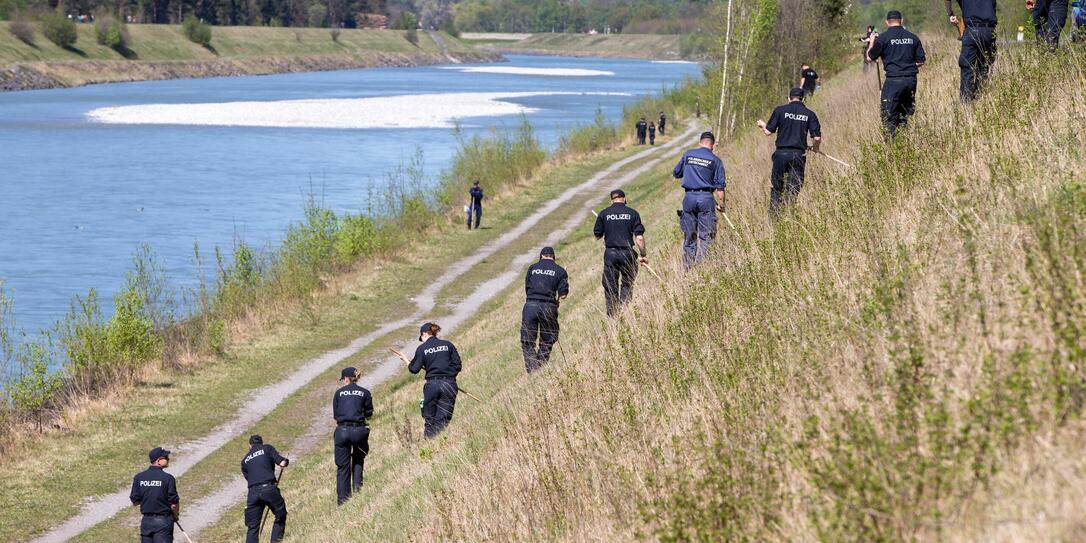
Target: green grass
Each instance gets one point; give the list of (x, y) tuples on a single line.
[(167, 43), (659, 46), (114, 436)]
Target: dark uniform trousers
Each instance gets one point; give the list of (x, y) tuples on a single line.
[(261, 496), (1048, 19), (898, 101), (438, 402), (156, 529), (790, 162), (698, 224), (478, 211), (538, 320), (976, 59), (619, 272), (352, 444)]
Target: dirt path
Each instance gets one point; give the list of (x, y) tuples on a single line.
[(260, 402)]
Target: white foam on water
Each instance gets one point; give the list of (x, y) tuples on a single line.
[(673, 62), (403, 111), (519, 70)]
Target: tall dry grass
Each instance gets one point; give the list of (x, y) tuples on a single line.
[(893, 361)]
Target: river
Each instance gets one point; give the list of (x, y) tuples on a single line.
[(88, 175)]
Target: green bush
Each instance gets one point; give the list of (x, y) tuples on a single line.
[(196, 30), (412, 36), (316, 15), (35, 389), (111, 32), (22, 31), (601, 134), (335, 34), (58, 29), (358, 236), (130, 333)]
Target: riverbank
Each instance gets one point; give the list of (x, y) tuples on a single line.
[(639, 46), (158, 52)]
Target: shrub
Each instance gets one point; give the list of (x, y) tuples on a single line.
[(130, 334), (316, 15), (335, 34), (111, 32), (412, 36), (196, 30), (59, 29), (36, 387), (22, 30), (357, 237)]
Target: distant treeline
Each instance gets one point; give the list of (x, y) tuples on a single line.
[(641, 16)]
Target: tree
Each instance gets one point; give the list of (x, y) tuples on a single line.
[(34, 390), (58, 29)]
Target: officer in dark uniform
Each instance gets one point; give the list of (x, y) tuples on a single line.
[(351, 406), (902, 55), (703, 178), (652, 134), (663, 122), (642, 127), (1049, 17), (155, 491), (620, 228), (258, 467), (545, 284), (476, 195), (792, 123), (808, 79), (978, 44), (442, 363)]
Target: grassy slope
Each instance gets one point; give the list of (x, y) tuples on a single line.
[(611, 45), (114, 434), (901, 359), (167, 43)]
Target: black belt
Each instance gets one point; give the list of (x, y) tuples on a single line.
[(699, 190), (441, 378), (793, 149), (348, 423), (551, 302), (158, 514), (901, 76), (979, 24), (626, 248), (262, 485)]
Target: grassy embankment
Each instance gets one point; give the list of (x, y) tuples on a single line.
[(169, 408), (651, 46), (163, 52), (899, 359)]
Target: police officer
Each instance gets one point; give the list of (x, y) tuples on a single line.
[(642, 127), (652, 134), (258, 467), (702, 173), (663, 122), (808, 79), (902, 55), (792, 123), (978, 44), (351, 406), (476, 195), (620, 228), (442, 363), (155, 491), (545, 284), (1049, 17), (866, 39)]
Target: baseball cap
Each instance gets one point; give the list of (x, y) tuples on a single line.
[(255, 439), (893, 15), (547, 251), (796, 92), (348, 372), (617, 193), (707, 135), (158, 452), (424, 329)]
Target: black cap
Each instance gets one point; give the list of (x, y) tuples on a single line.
[(255, 439), (893, 15), (425, 329), (796, 92), (547, 251), (158, 452), (707, 135), (617, 193), (348, 373)]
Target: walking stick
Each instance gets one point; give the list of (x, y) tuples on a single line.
[(878, 73), (653, 272), (730, 223), (837, 160), (178, 523), (470, 395), (264, 516), (563, 351)]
